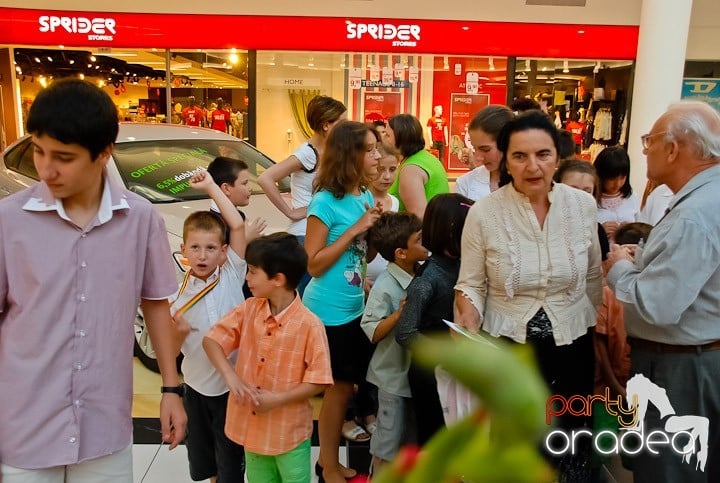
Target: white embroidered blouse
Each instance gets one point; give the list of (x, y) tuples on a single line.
[(511, 267)]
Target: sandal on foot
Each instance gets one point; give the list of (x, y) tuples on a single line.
[(371, 427), (355, 433)]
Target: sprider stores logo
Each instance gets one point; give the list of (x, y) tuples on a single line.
[(97, 28), (685, 435), (403, 35)]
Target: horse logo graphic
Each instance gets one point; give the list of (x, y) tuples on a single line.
[(641, 391)]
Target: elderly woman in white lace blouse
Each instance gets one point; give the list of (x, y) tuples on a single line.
[(530, 264)]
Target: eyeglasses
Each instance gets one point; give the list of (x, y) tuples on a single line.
[(645, 137)]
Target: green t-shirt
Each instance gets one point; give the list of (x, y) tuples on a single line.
[(437, 177)]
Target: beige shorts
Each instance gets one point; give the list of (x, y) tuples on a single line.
[(114, 468)]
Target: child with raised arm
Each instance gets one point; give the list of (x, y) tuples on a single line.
[(397, 238), (212, 287), (283, 360)]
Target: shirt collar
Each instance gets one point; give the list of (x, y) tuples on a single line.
[(524, 198), (280, 318), (482, 174), (195, 281), (402, 277), (695, 182), (112, 199)]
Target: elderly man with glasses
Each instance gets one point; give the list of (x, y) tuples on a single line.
[(670, 288)]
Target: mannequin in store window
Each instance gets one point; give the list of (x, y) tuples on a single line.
[(220, 117), (193, 115), (438, 131)]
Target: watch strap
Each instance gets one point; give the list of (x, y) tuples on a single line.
[(179, 390)]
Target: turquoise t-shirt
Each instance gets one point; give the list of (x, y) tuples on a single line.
[(337, 296)]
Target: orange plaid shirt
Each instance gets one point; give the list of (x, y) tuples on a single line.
[(275, 353)]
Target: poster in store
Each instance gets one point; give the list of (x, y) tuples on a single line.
[(701, 89), (462, 108), (381, 106)]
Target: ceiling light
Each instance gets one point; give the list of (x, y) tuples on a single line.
[(50, 58), (234, 58), (93, 58), (71, 61), (491, 63), (37, 59), (566, 66)]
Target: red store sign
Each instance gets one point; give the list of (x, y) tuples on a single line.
[(146, 30)]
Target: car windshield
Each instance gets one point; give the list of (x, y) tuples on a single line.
[(160, 170)]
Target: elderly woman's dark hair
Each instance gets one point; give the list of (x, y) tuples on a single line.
[(524, 122), (408, 134)]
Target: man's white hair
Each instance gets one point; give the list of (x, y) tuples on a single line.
[(698, 124)]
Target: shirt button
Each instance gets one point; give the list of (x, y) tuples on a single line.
[(253, 413), (84, 235), (83, 298), (83, 264), (77, 366), (82, 333), (72, 439), (269, 334), (78, 403), (262, 359)]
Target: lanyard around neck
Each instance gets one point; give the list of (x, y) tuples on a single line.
[(195, 298)]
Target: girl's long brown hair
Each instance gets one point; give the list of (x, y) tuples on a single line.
[(341, 164)]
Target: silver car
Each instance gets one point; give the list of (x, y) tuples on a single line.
[(156, 162)]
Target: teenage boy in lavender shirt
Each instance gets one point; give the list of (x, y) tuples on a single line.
[(78, 254)]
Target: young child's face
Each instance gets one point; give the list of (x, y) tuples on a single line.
[(258, 282), (204, 251), (581, 181), (371, 157), (612, 186), (415, 251), (239, 193), (387, 170)]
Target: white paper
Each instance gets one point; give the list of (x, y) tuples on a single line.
[(475, 337)]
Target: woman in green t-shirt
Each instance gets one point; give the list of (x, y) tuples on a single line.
[(422, 176)]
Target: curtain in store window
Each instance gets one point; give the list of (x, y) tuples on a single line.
[(299, 100)]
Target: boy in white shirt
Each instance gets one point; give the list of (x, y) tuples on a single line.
[(212, 287)]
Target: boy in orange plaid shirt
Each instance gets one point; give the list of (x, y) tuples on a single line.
[(283, 360)]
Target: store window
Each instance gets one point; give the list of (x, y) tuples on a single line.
[(137, 80), (446, 90), (589, 98)]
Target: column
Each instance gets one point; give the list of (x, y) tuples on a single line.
[(662, 43)]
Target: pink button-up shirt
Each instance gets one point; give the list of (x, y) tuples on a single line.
[(68, 298)]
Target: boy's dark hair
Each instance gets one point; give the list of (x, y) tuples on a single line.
[(408, 134), (379, 123), (632, 233), (523, 104), (610, 163), (278, 253), (443, 223), (225, 170), (567, 144), (529, 120), (74, 111), (204, 221), (392, 231), (322, 109), (491, 119)]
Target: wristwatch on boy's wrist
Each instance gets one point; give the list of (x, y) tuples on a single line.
[(179, 390)]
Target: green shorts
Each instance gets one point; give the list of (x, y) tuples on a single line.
[(290, 467)]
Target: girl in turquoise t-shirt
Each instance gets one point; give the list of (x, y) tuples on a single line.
[(339, 215)]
